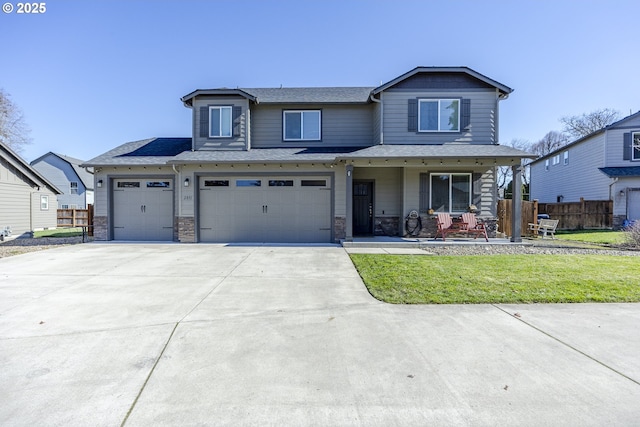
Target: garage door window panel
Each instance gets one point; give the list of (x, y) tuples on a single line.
[(248, 183)]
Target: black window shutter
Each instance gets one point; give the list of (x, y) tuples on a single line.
[(465, 114), (413, 115), (237, 112), (626, 146), (424, 192), (204, 122), (477, 189)]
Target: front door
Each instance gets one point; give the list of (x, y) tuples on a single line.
[(362, 207)]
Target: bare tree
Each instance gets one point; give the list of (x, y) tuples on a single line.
[(505, 174), (550, 142), (585, 124), (14, 132)]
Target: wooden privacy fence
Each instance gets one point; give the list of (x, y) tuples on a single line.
[(580, 215), (572, 215), (76, 218), (529, 214)]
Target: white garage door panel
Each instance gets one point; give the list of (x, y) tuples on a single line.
[(143, 209), (284, 211), (634, 204)]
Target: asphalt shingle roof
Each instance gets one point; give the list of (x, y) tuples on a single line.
[(311, 95)]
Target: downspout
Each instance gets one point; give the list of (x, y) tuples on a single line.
[(611, 185), (379, 101)]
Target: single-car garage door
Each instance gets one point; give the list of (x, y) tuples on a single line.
[(143, 209), (274, 209)]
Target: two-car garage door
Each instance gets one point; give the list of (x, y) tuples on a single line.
[(292, 209)]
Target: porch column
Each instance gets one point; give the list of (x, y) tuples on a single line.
[(516, 205), (349, 205)]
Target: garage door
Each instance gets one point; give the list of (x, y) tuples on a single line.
[(143, 209), (277, 209), (633, 204)]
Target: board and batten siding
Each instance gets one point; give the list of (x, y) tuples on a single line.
[(346, 125), (240, 131), (579, 178), (615, 143), (482, 127)]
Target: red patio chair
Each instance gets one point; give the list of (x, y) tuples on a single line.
[(473, 226), (447, 226)]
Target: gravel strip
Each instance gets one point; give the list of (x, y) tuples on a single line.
[(26, 245), (531, 248)]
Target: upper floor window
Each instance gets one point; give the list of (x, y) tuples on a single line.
[(439, 115), (566, 157), (635, 145), (546, 165), (302, 125), (220, 122), (74, 187)]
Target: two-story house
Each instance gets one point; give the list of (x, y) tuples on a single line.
[(604, 165), (65, 173), (315, 164)]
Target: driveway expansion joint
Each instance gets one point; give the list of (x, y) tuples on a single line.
[(566, 344)]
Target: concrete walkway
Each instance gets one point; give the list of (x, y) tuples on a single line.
[(167, 334)]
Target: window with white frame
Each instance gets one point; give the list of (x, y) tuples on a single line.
[(635, 146), (450, 192), (439, 115), (74, 187), (565, 158), (220, 125), (44, 203), (546, 165), (303, 125)]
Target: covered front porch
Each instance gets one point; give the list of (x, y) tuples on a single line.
[(395, 190)]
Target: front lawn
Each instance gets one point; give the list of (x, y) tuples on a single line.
[(405, 279), (59, 232), (601, 237)]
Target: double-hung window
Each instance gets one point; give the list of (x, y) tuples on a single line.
[(302, 125), (220, 121), (635, 146), (439, 115), (73, 187), (44, 203), (450, 192)]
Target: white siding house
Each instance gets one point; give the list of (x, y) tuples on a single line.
[(604, 165)]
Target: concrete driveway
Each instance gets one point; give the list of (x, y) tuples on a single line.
[(167, 334)]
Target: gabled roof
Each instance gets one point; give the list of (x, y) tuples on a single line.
[(584, 138), (505, 90), (29, 173), (83, 174), (291, 95), (616, 172)]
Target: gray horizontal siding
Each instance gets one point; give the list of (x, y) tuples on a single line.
[(615, 143), (349, 125), (579, 178), (60, 174), (482, 128), (234, 143)]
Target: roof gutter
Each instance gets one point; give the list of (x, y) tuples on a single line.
[(379, 101)]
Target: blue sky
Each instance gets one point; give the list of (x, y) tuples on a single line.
[(90, 75)]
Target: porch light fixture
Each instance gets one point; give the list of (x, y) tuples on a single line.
[(99, 183), (186, 182), (621, 193)]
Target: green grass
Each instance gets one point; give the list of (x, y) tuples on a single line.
[(479, 279), (601, 237), (59, 232)]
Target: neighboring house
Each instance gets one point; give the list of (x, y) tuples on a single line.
[(316, 164), (75, 182), (28, 201), (604, 165)]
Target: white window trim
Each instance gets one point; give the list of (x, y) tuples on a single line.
[(438, 100), (450, 188), (221, 107), (633, 145), (44, 203), (302, 138), (546, 165), (565, 158), (71, 187)]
